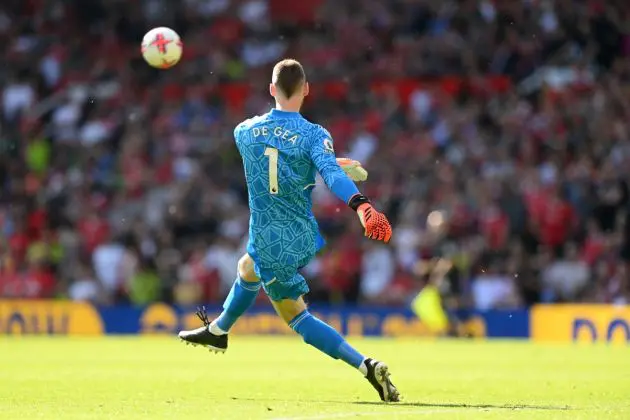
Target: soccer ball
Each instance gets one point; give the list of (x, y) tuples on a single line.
[(162, 48)]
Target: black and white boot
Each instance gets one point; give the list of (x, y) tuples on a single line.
[(203, 337), (378, 375)]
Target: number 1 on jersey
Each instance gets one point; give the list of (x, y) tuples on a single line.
[(273, 169)]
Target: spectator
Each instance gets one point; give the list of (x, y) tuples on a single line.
[(18, 95), (85, 287), (107, 260), (494, 289), (564, 279), (377, 272), (144, 284)]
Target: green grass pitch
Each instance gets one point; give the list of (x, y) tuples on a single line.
[(282, 378)]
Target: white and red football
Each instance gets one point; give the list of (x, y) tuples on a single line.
[(162, 48)]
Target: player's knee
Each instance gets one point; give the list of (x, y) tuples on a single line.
[(289, 309), (291, 314), (246, 269)]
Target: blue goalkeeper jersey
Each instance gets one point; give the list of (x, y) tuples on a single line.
[(281, 153)]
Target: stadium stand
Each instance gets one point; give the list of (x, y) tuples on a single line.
[(496, 135)]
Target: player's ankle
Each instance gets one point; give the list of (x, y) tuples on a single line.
[(215, 329), (363, 367)]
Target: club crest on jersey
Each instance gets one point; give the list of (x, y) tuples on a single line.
[(328, 145)]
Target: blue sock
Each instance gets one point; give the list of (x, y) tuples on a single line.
[(324, 337), (241, 297)]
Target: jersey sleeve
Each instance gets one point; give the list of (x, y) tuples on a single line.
[(323, 156)]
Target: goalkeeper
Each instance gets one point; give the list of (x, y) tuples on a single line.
[(281, 153)]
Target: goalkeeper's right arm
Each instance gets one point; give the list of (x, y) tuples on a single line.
[(376, 225)]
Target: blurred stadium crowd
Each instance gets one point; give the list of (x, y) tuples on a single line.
[(496, 134)]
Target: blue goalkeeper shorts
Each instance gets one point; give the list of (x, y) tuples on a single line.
[(282, 280)]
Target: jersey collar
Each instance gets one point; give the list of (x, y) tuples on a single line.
[(284, 114)]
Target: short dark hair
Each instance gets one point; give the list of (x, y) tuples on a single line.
[(288, 75)]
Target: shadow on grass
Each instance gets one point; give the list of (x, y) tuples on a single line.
[(423, 404), (475, 406)]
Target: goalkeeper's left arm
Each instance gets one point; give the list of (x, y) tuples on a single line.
[(323, 155), (353, 169)]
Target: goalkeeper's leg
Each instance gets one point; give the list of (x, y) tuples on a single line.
[(214, 335), (323, 337)]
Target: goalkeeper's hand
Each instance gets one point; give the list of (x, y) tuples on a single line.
[(353, 169), (376, 225)]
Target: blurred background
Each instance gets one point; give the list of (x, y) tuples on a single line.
[(496, 135)]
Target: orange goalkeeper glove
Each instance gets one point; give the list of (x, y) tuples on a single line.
[(376, 225)]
